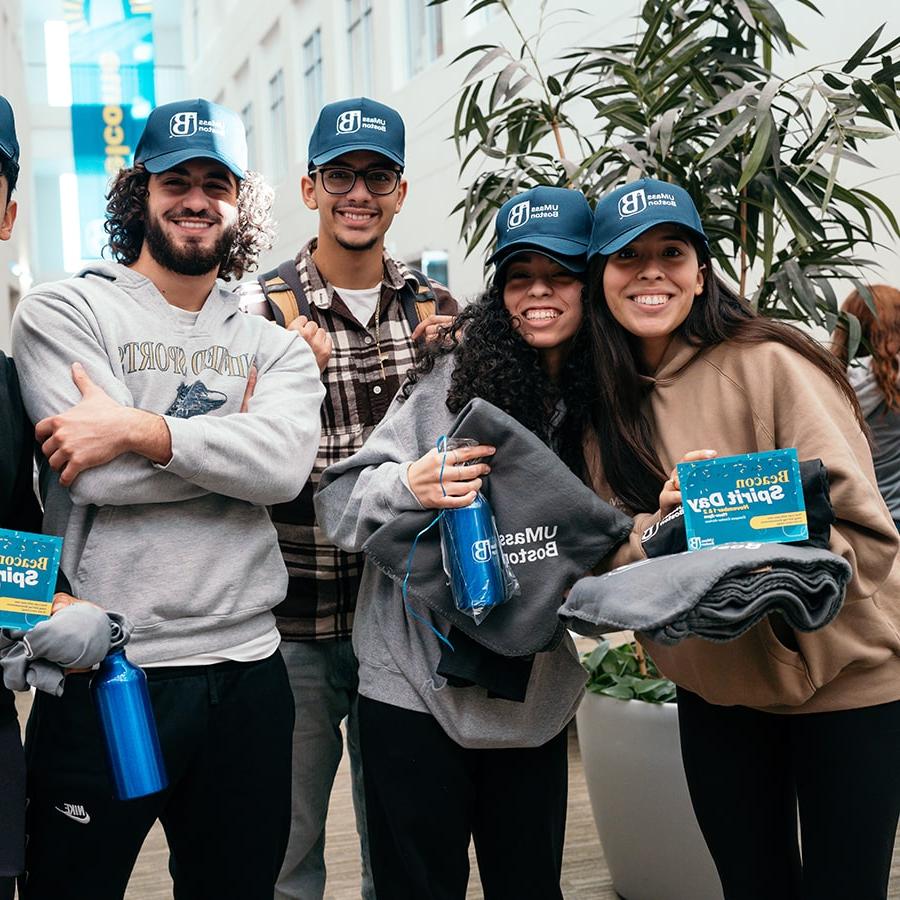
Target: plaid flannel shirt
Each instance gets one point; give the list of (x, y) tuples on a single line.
[(323, 579)]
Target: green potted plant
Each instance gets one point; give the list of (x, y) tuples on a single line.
[(628, 734)]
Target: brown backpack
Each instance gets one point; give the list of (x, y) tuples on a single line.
[(287, 299)]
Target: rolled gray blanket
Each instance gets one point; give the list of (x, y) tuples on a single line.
[(716, 594), (77, 637)]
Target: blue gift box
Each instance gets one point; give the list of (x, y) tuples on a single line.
[(754, 497), (28, 567)]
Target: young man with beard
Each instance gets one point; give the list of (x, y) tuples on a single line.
[(168, 422), (357, 307)]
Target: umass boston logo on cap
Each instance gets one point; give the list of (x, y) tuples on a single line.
[(352, 120), (635, 202), (185, 124), (523, 212)]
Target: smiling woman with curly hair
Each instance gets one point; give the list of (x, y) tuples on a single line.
[(496, 361), (126, 211), (523, 347)]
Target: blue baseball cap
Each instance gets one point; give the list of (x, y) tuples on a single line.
[(192, 129), (630, 210), (9, 146), (357, 124), (553, 221)]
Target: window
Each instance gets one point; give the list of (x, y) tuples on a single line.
[(435, 264), (424, 35), (313, 91), (247, 119), (195, 27), (277, 127), (359, 45)]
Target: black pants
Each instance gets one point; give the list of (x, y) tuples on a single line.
[(225, 732), (749, 772), (426, 796), (12, 796)]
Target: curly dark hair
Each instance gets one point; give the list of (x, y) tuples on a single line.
[(126, 207), (493, 361)]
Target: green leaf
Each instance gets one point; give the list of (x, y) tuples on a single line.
[(554, 86), (871, 102), (863, 51), (854, 333), (484, 62), (834, 82), (802, 287), (888, 213), (737, 126), (651, 32), (757, 153)]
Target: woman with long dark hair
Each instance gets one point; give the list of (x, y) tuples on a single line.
[(443, 763), (875, 377), (776, 720)]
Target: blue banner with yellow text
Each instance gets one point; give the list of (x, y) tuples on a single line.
[(111, 60)]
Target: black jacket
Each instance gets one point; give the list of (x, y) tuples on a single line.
[(19, 508)]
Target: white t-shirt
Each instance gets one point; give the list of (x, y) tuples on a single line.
[(361, 303)]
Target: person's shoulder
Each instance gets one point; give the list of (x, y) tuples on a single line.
[(445, 303), (756, 354)]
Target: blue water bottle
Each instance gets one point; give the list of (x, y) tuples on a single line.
[(476, 575), (122, 700)]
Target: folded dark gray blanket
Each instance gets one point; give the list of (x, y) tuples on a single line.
[(716, 594), (552, 527), (77, 637)]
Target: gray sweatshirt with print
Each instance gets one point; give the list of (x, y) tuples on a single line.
[(185, 550), (398, 656)]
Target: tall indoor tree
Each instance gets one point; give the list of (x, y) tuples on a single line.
[(693, 98)]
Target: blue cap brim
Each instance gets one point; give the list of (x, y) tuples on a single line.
[(559, 245), (165, 161), (335, 152), (574, 263), (623, 240)]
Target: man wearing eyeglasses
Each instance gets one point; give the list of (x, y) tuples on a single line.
[(355, 305)]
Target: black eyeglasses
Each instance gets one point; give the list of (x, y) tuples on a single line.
[(338, 180)]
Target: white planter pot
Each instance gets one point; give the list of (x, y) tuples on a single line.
[(650, 837)]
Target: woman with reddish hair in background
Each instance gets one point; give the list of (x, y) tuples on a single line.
[(876, 380)]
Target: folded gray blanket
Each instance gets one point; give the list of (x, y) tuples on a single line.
[(716, 594), (552, 530), (76, 637)]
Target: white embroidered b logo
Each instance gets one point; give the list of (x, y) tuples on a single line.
[(632, 203), (519, 214), (183, 124), (482, 551), (349, 121)]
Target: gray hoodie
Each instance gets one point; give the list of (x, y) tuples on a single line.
[(398, 655), (186, 550)]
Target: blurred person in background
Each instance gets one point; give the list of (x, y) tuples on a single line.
[(875, 377)]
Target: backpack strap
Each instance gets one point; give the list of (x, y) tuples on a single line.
[(419, 302), (284, 293)]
